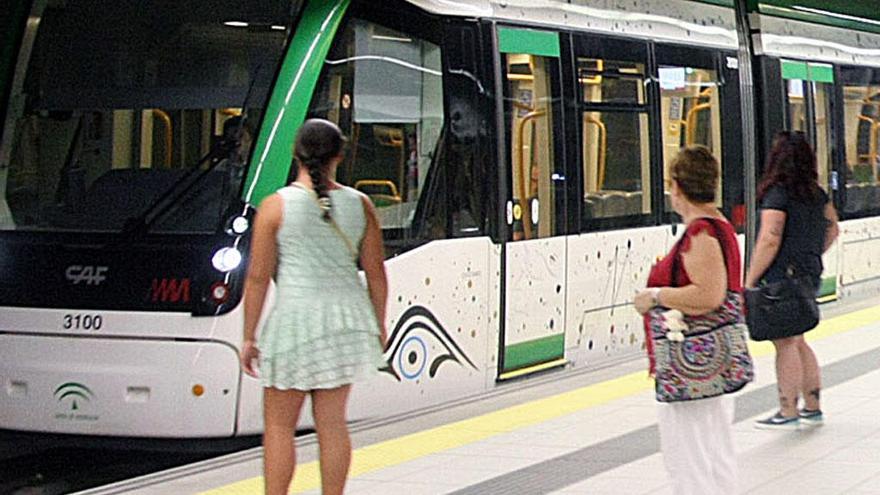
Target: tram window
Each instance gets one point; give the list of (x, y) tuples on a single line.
[(530, 117), (617, 161), (823, 94), (861, 93), (531, 121), (615, 143), (611, 81), (384, 88), (797, 106), (122, 99), (690, 108)]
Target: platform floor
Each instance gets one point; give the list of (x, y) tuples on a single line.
[(595, 433)]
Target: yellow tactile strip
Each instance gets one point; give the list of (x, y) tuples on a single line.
[(410, 447)]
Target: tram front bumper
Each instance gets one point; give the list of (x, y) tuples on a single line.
[(118, 387)]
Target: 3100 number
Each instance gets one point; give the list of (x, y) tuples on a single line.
[(83, 322)]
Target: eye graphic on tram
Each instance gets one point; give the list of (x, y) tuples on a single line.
[(419, 344)]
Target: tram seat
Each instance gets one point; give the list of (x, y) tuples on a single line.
[(857, 197), (872, 198), (609, 204), (122, 194), (634, 203), (594, 205), (615, 204)]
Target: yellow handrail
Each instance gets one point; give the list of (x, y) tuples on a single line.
[(520, 158), (169, 134), (692, 116), (603, 148), (393, 137), (378, 182), (873, 149)]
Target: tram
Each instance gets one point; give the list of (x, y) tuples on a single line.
[(516, 152)]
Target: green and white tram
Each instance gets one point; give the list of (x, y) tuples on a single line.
[(515, 152)]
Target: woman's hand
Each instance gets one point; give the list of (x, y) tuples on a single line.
[(645, 300), (249, 354)]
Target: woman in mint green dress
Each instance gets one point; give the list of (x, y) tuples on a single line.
[(326, 330)]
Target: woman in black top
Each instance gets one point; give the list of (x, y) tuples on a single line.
[(798, 223)]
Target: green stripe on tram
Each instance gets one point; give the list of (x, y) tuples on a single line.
[(823, 73), (536, 351), (828, 290), (796, 69), (291, 96), (529, 41)]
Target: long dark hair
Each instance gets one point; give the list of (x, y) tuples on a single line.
[(318, 142), (792, 165)]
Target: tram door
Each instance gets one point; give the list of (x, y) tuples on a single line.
[(533, 335), (809, 90)]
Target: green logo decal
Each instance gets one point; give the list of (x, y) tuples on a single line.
[(77, 392)]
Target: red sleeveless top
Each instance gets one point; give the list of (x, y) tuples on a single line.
[(661, 273)]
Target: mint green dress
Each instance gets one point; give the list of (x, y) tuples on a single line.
[(322, 332)]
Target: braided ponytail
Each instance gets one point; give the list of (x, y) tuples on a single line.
[(318, 174), (317, 144)]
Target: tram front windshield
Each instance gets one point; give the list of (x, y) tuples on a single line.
[(119, 101)]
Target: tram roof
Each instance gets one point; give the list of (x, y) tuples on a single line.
[(838, 31), (860, 16)]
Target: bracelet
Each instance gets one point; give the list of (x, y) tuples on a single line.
[(655, 297)]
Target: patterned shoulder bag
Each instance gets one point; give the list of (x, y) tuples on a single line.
[(700, 356)]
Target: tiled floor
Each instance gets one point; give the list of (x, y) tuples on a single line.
[(592, 450)]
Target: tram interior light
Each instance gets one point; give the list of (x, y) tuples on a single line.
[(226, 259), (240, 24)]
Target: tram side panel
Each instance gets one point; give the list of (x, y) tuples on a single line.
[(442, 326), (605, 269), (860, 258)]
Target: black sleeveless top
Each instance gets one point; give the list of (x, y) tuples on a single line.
[(804, 237)]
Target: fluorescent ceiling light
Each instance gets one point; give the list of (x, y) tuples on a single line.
[(236, 24), (276, 27), (835, 14), (391, 38)]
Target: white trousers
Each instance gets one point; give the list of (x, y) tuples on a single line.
[(696, 438)]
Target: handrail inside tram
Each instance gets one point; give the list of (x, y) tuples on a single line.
[(603, 148), (520, 154), (169, 134)]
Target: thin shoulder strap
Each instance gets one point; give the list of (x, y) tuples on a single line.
[(332, 222)]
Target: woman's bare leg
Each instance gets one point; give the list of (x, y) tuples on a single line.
[(280, 413), (329, 407), (788, 374), (811, 381)]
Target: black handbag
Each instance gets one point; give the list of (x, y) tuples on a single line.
[(780, 309)]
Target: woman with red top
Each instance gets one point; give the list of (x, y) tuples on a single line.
[(696, 437)]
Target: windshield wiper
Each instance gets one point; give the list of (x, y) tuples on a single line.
[(71, 161), (219, 153), (141, 224)]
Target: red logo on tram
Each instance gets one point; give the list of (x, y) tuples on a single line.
[(171, 290)]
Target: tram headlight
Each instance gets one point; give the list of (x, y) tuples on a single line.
[(239, 225), (226, 259)]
